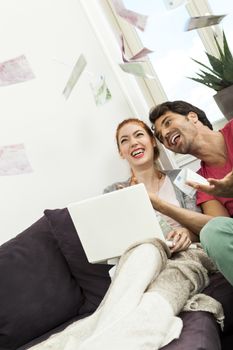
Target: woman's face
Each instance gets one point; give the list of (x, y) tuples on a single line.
[(135, 145)]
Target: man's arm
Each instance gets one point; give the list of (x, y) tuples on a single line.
[(214, 208), (190, 219), (219, 188)]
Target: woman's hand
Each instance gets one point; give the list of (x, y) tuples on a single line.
[(181, 239)]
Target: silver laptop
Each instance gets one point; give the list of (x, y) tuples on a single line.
[(108, 224)]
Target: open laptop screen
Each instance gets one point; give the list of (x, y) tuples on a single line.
[(108, 224)]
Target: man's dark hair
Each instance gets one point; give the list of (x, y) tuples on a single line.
[(179, 107)]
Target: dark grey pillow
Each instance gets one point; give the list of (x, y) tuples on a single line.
[(200, 331), (221, 290), (93, 279), (37, 291)]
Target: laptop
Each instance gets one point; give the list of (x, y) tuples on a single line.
[(109, 223)]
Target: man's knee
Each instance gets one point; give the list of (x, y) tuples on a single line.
[(217, 232), (217, 239), (209, 235)]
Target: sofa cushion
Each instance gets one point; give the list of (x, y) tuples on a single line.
[(221, 290), (93, 279), (200, 332), (37, 290), (45, 336)]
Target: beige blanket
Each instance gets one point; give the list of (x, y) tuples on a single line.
[(138, 311)]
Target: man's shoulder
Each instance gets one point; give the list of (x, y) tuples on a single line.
[(228, 127)]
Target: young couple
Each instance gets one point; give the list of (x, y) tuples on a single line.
[(138, 147), (174, 280)]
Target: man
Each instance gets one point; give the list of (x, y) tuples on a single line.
[(184, 128)]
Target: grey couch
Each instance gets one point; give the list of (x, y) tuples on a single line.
[(47, 283)]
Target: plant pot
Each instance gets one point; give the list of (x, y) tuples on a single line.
[(224, 100)]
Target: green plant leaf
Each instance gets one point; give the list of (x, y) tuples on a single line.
[(220, 73), (211, 85), (204, 65), (227, 52), (209, 76), (228, 73), (216, 63), (221, 53), (211, 79)]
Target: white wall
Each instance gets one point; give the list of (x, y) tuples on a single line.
[(70, 142)]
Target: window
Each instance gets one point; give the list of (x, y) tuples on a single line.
[(173, 49), (171, 62), (225, 7)]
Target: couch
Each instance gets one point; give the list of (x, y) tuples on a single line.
[(47, 283)]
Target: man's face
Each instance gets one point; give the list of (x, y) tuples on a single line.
[(177, 132)]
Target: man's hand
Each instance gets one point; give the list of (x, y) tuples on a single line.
[(219, 188), (155, 200)]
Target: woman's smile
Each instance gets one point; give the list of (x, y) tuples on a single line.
[(138, 152)]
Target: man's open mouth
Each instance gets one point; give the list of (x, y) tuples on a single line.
[(174, 138)]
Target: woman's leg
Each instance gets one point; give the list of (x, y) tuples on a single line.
[(128, 317), (217, 240)]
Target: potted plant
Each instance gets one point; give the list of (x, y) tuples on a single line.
[(219, 77)]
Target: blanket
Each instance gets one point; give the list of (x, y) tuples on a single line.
[(138, 311)]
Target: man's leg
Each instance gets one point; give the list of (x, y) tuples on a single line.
[(217, 240)]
